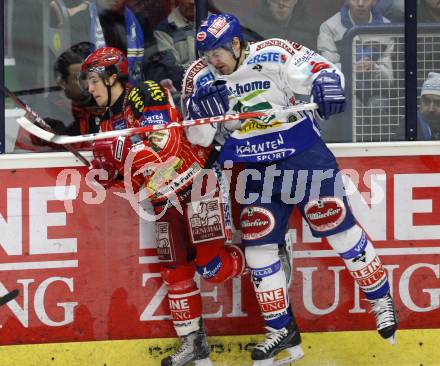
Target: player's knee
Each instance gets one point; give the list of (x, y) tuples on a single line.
[(353, 238), (327, 214), (259, 256), (177, 274)]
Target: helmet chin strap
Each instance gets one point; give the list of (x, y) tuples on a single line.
[(237, 59), (109, 95)]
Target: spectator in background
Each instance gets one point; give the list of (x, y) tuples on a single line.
[(67, 69), (428, 11), (373, 65), (154, 10), (79, 19), (392, 9), (114, 24), (286, 19), (175, 39), (428, 116), (85, 112), (428, 45)]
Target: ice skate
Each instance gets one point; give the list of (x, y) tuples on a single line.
[(386, 318), (194, 350), (277, 340), (285, 253)]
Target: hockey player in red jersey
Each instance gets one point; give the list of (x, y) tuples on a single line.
[(188, 241)]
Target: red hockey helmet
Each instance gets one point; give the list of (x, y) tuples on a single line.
[(106, 61)]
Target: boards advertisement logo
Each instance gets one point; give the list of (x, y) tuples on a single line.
[(90, 271)]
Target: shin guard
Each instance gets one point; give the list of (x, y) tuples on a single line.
[(184, 298), (270, 284), (362, 261)]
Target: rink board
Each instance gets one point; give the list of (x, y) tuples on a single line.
[(87, 268), (363, 348)]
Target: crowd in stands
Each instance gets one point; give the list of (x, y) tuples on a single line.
[(159, 36)]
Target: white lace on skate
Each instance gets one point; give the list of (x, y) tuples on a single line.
[(384, 312), (274, 337), (183, 353)]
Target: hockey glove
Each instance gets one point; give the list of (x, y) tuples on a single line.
[(110, 154), (208, 101), (328, 93)]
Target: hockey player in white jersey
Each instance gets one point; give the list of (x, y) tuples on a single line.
[(233, 76)]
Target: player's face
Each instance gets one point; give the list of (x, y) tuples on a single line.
[(430, 108), (221, 59), (187, 9), (96, 87), (360, 9), (281, 9)]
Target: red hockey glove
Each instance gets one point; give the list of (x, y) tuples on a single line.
[(110, 155)]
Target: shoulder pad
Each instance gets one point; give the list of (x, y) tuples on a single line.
[(279, 44)]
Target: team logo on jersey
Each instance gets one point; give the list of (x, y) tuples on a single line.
[(151, 117), (287, 46), (256, 223), (274, 57), (305, 57), (206, 220), (254, 125), (318, 66), (119, 124), (250, 87), (193, 71), (165, 251), (326, 213), (258, 67)]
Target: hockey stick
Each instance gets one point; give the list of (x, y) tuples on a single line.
[(64, 139), (33, 118), (8, 297)]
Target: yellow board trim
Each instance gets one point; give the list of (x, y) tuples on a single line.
[(414, 347)]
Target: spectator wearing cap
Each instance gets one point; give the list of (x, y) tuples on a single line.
[(428, 11), (428, 115)]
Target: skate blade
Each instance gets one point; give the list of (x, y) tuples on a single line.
[(204, 362), (295, 354), (392, 339)]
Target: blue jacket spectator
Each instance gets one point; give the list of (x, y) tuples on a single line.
[(428, 116)]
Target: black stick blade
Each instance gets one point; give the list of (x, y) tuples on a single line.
[(9, 296)]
